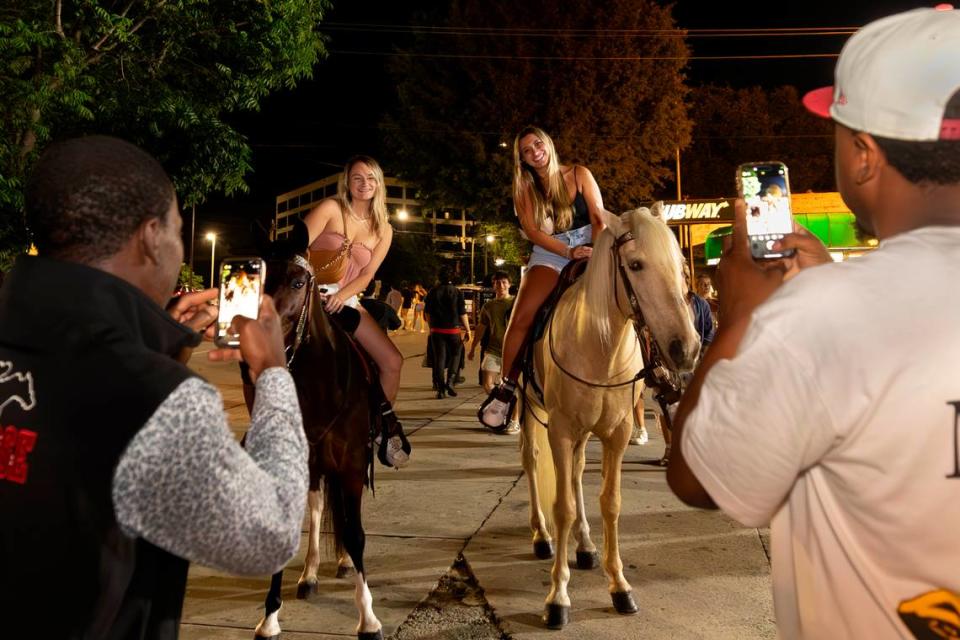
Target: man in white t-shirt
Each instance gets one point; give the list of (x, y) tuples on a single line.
[(829, 403)]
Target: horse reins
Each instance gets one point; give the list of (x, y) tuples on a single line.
[(653, 363)]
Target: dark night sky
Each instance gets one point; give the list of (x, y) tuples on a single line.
[(307, 133)]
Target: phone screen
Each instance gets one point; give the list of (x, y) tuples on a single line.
[(240, 286), (766, 190)]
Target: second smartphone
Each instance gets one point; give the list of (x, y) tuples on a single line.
[(241, 291), (765, 187)]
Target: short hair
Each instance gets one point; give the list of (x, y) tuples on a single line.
[(87, 196), (500, 275), (936, 162)]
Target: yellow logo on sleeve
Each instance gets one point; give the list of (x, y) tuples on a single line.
[(933, 615)]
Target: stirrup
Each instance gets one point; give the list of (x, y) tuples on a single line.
[(505, 393)]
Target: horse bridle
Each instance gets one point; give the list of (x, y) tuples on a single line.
[(291, 350)]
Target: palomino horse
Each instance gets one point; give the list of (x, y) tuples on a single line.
[(587, 362), (334, 395)]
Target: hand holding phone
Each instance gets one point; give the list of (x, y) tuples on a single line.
[(765, 188), (241, 292), (260, 340)]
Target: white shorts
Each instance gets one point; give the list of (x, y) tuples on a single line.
[(330, 289), (491, 363)]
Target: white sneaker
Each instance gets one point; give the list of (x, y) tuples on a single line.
[(395, 454), (512, 428), (495, 413), (639, 435)]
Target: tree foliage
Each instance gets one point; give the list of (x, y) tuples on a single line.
[(732, 126), (163, 74), (463, 97)]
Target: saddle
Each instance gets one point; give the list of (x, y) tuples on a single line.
[(569, 275)]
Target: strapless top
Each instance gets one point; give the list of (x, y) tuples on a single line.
[(358, 258)]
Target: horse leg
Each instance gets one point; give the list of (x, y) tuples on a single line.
[(354, 541), (557, 612), (345, 567), (308, 583), (613, 449), (587, 555), (529, 453), (269, 625)]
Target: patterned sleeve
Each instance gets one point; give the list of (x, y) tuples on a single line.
[(186, 485)]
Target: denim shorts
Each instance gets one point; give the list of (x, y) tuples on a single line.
[(572, 238)]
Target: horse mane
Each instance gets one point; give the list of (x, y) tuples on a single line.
[(660, 249)]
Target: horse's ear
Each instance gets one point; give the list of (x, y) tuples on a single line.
[(613, 222), (657, 209), (261, 238), (299, 237)]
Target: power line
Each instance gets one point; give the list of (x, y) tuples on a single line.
[(471, 56), (598, 32)]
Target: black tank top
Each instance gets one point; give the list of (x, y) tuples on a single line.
[(581, 215)]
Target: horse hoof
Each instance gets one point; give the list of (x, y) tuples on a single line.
[(345, 571), (623, 602), (556, 616), (370, 635), (587, 560), (307, 588), (543, 549)]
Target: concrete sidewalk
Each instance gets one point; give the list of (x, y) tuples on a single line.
[(695, 574)]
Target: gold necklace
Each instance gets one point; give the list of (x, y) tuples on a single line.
[(356, 217)]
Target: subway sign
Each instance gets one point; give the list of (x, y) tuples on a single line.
[(698, 211)]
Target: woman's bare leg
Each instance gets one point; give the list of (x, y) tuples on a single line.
[(384, 353), (535, 288)]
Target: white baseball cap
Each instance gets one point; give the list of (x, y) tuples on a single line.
[(895, 77)]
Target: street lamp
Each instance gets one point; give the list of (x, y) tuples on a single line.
[(402, 215), (212, 238), (499, 262)]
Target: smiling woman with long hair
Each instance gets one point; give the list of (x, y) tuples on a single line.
[(559, 209), (352, 234)]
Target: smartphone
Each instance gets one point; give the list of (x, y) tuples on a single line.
[(765, 187), (241, 291)]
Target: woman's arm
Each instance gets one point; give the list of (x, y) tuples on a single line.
[(359, 284), (319, 217), (524, 209)]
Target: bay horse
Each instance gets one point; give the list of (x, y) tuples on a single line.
[(590, 365), (333, 387)]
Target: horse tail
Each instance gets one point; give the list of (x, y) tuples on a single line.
[(334, 512), (546, 479)]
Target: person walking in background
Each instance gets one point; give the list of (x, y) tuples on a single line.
[(419, 294), (559, 208), (491, 327), (406, 307), (703, 322), (706, 291), (446, 311), (394, 298), (829, 403)]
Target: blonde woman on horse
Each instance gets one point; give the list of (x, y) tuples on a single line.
[(559, 208), (353, 226)]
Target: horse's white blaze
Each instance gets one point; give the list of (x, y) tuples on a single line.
[(268, 626), (368, 620)]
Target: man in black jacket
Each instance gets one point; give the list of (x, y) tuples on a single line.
[(117, 467), (445, 311)]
